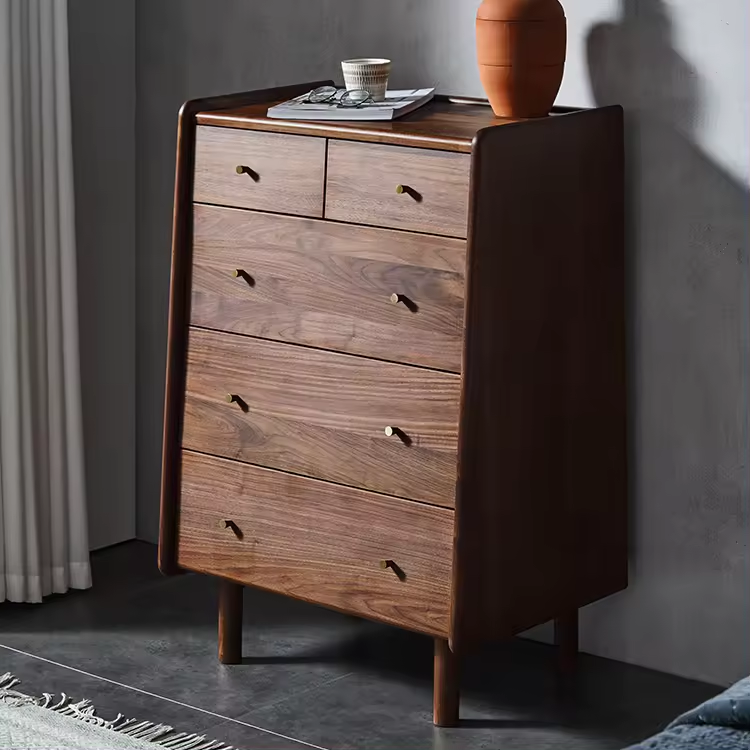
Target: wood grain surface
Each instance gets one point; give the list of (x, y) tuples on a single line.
[(362, 182), (285, 173), (179, 302), (230, 622), (318, 542), (329, 285), (324, 415), (541, 512), (446, 685), (446, 123)]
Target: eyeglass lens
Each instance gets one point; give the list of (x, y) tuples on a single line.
[(322, 94), (354, 98)]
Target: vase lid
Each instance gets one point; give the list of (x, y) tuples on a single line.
[(520, 10)]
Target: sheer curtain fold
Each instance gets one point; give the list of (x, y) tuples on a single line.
[(43, 525)]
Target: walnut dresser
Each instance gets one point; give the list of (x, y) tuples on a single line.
[(396, 368)]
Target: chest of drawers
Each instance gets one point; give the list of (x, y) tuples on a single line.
[(396, 377)]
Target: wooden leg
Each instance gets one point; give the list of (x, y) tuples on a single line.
[(230, 622), (446, 694), (566, 640)]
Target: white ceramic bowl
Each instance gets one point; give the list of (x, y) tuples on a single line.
[(369, 73)]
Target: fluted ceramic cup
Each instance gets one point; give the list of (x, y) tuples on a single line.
[(369, 73)]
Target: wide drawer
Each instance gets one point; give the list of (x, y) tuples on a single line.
[(375, 556), (323, 414), (392, 295), (398, 187), (265, 171)]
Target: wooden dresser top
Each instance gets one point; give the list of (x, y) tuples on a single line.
[(446, 123)]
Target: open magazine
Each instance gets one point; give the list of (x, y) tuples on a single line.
[(396, 104)]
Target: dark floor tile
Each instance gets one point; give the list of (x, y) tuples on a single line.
[(246, 737), (511, 698), (117, 572), (366, 711), (605, 696), (162, 637), (39, 677), (329, 679)]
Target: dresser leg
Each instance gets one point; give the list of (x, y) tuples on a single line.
[(230, 622), (566, 640), (446, 694)]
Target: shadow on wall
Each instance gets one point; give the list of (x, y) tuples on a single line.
[(687, 246)]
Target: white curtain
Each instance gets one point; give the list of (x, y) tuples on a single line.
[(43, 526)]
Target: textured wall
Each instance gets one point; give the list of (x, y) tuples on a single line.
[(102, 79), (680, 69)]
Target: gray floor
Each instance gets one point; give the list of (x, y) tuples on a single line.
[(145, 646)]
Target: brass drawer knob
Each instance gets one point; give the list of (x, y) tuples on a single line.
[(410, 191), (409, 304), (244, 169), (385, 564), (399, 433), (233, 398), (241, 273), (225, 523)]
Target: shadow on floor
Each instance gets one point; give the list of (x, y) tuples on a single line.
[(304, 665)]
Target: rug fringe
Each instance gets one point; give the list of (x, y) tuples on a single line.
[(161, 735)]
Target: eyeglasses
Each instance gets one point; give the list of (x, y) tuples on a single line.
[(342, 97)]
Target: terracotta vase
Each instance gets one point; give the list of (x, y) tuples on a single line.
[(521, 54)]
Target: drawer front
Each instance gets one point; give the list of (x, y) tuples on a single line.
[(324, 415), (317, 541), (330, 286), (283, 173), (363, 180)]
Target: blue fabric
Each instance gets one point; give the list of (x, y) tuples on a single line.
[(723, 723), (731, 709)]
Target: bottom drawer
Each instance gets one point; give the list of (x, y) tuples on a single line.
[(316, 541)]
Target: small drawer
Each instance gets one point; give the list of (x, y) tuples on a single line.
[(378, 557), (375, 292), (365, 423), (265, 171), (398, 187)]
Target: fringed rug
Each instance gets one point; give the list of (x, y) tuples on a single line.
[(47, 723)]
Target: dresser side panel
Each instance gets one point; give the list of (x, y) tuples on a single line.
[(541, 511)]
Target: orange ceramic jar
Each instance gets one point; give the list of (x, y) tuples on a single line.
[(521, 54)]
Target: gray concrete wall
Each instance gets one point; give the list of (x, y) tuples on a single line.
[(102, 77), (680, 70)]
